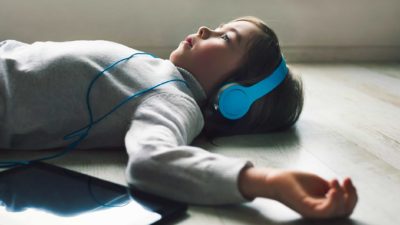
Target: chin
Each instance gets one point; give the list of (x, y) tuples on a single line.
[(174, 56), (177, 59)]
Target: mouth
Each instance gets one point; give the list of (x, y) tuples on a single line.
[(189, 41)]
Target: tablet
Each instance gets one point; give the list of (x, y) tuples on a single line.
[(41, 193)]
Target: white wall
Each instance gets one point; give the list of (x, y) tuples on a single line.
[(309, 30)]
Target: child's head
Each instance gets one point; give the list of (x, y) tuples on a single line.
[(211, 55), (220, 58)]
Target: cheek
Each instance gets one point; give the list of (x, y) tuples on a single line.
[(219, 61), (209, 56)]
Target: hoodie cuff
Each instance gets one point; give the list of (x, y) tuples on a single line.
[(229, 187)]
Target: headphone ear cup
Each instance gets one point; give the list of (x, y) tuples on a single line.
[(232, 101), (217, 96)]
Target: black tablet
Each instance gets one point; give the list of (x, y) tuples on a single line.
[(41, 193)]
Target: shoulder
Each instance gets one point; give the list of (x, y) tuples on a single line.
[(178, 113), (172, 102)]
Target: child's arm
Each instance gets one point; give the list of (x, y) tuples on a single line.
[(161, 161), (308, 194)]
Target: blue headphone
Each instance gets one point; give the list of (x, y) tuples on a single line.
[(234, 100)]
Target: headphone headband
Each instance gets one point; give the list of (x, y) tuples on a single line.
[(235, 100)]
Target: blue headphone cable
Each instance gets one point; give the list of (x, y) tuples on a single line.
[(83, 132)]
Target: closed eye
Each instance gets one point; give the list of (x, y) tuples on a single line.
[(225, 37)]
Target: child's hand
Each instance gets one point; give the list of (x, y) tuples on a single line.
[(308, 194)]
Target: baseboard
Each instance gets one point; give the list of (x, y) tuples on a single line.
[(342, 53), (319, 53)]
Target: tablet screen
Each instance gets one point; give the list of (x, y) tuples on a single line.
[(43, 194)]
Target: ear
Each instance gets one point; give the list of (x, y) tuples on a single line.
[(233, 101)]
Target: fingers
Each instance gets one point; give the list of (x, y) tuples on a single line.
[(340, 210), (339, 201), (319, 208), (351, 197), (333, 202)]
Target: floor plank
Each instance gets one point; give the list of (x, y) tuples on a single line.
[(364, 117)]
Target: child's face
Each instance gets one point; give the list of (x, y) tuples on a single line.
[(211, 55)]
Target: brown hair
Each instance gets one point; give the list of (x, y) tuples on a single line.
[(278, 110)]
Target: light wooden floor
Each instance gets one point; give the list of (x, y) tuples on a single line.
[(349, 127)]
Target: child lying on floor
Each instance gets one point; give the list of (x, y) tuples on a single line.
[(42, 99)]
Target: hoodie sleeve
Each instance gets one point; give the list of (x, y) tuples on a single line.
[(162, 163)]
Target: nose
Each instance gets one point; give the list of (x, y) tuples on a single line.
[(204, 32)]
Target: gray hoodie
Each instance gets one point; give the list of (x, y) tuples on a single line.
[(43, 98)]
